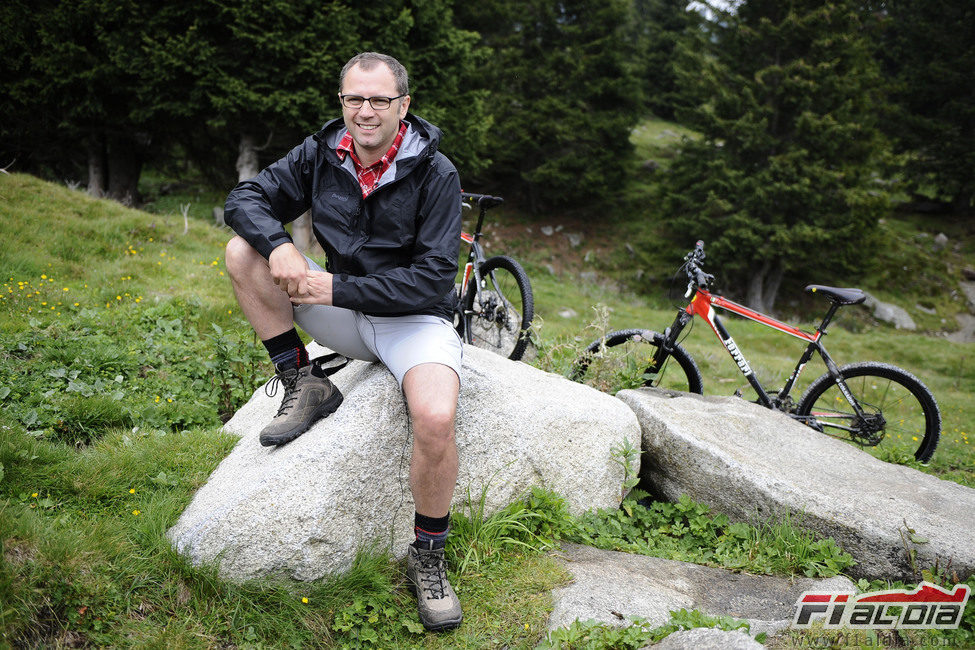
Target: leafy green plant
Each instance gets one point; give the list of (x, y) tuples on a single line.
[(593, 635), (688, 532), (372, 622), (233, 367), (626, 455)]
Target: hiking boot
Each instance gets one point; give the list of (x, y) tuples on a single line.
[(426, 573), (307, 398)]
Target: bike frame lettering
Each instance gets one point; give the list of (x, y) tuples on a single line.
[(703, 304)]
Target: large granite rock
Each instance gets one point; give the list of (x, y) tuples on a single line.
[(752, 464), (890, 313), (612, 587), (304, 509)]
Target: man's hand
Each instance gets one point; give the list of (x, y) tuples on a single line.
[(318, 289), (289, 269)]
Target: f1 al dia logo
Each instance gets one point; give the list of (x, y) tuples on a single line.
[(926, 607)]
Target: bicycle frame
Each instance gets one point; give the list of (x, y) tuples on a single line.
[(474, 259), (476, 256), (703, 304)]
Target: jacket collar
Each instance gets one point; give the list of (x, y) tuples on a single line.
[(421, 136)]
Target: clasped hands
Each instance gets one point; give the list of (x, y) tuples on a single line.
[(289, 270)]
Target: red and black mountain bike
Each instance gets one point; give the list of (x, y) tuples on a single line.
[(494, 300), (866, 403)]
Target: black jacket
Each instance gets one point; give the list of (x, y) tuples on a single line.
[(393, 253)]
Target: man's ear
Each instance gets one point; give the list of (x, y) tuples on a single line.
[(404, 107)]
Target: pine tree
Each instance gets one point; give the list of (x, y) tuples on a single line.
[(929, 51), (655, 29), (564, 97), (119, 82), (781, 183)]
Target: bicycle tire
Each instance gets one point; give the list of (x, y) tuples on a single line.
[(498, 315), (902, 410), (689, 381)]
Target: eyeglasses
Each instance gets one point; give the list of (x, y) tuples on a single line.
[(377, 103)]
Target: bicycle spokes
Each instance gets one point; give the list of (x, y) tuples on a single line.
[(887, 410), (496, 321)]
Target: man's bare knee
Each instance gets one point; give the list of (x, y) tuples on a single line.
[(240, 256), (434, 422)]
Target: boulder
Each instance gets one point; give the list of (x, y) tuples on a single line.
[(304, 509), (968, 288), (611, 587), (753, 463), (703, 638), (890, 313)]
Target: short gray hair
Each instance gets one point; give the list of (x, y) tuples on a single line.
[(369, 60)]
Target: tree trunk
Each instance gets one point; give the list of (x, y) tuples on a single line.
[(763, 288), (773, 280), (124, 169), (97, 165), (247, 161), (304, 236), (961, 204), (756, 288)]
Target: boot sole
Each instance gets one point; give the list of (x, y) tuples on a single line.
[(326, 408)]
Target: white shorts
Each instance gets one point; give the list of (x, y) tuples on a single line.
[(399, 342)]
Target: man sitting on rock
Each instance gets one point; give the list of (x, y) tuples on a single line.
[(385, 206)]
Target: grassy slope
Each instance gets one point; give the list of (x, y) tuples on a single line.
[(79, 540), (83, 559)]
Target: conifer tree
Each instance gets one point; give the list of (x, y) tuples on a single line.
[(780, 185), (929, 51), (564, 97), (116, 82)]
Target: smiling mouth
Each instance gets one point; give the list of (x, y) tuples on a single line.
[(368, 127)]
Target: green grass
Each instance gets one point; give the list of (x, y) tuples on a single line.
[(656, 139), (947, 368), (122, 351)]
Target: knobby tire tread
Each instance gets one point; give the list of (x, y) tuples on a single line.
[(646, 337), (926, 400), (510, 265)]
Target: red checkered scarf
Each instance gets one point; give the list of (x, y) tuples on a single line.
[(369, 176)]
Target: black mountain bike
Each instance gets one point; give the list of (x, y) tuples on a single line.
[(494, 307), (866, 403)]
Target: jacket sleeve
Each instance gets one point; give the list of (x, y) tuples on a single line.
[(433, 268), (258, 207)]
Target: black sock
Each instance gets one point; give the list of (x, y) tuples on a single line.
[(431, 532), (287, 350)]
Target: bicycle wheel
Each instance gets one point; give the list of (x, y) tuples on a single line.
[(622, 359), (498, 314), (900, 410)]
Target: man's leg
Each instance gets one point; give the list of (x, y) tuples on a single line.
[(431, 394), (266, 307), (308, 394), (431, 391)]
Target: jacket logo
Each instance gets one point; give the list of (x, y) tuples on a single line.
[(339, 197)]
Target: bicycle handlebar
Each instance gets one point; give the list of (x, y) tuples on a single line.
[(696, 277), (483, 201)]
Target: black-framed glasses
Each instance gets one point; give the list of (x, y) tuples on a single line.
[(377, 103)]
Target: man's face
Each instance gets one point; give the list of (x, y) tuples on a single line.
[(372, 131)]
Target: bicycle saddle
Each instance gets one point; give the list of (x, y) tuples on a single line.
[(837, 295)]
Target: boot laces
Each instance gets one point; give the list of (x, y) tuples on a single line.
[(288, 379), (432, 574)]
